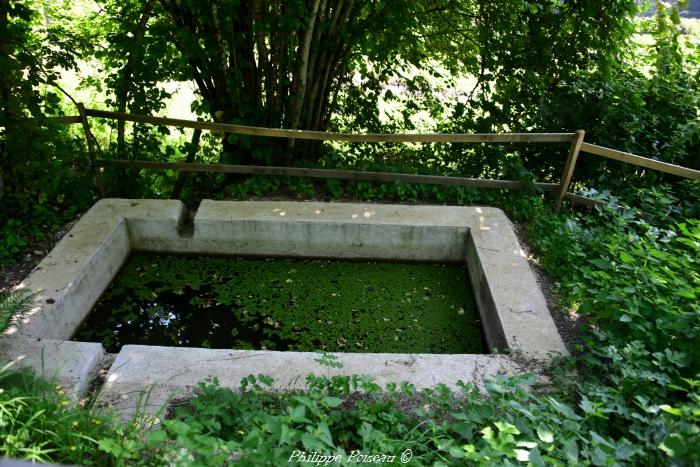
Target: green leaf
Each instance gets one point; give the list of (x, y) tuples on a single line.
[(464, 429), (485, 411), (456, 452), (179, 428), (563, 409), (535, 457), (311, 443), (571, 450), (526, 444), (675, 446), (507, 428), (522, 455), (625, 257), (110, 446), (324, 434), (600, 440), (600, 263), (157, 437), (545, 434), (297, 413), (331, 402), (287, 434), (671, 410), (685, 293)]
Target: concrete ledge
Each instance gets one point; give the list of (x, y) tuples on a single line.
[(163, 372), (71, 278), (72, 364)]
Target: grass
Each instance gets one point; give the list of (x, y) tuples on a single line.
[(39, 422)]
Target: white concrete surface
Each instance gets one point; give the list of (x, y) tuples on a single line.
[(166, 372), (72, 365), (71, 278)]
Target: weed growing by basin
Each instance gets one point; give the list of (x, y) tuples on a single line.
[(284, 304)]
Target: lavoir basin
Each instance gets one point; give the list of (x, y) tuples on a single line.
[(479, 241)]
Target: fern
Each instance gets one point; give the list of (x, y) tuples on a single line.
[(13, 305)]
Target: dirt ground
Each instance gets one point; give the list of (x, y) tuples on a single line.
[(11, 276), (569, 324)]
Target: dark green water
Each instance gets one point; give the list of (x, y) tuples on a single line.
[(284, 304)]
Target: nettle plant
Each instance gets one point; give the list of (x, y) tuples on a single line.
[(506, 424), (634, 276)]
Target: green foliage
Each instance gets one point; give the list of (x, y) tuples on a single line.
[(636, 278), (13, 305), (256, 63), (37, 188), (546, 66), (649, 107), (344, 416), (38, 422)]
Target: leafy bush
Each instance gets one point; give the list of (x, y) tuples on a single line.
[(37, 187), (347, 416), (637, 283)]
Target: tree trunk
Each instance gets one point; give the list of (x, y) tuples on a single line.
[(280, 63), (122, 91), (299, 88)]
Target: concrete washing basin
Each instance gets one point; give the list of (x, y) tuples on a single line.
[(73, 276)]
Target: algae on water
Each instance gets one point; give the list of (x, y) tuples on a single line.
[(286, 304)]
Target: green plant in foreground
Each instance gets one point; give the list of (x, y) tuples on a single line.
[(638, 283), (14, 304), (349, 416), (38, 422)]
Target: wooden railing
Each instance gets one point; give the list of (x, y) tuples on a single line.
[(560, 189)]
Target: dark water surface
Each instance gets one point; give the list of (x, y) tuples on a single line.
[(287, 304)]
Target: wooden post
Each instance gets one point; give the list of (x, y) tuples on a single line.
[(91, 149), (569, 167)]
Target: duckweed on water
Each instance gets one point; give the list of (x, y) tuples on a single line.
[(284, 304)]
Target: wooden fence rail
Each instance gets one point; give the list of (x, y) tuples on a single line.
[(325, 173), (348, 137), (560, 189), (641, 161)]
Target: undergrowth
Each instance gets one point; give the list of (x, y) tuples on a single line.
[(631, 396)]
